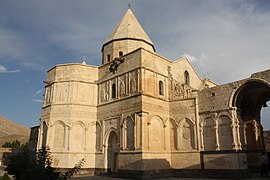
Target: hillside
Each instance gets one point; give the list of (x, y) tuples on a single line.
[(10, 131)]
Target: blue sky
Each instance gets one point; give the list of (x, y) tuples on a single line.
[(35, 35)]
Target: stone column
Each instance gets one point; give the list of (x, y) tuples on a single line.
[(164, 136), (139, 89), (139, 118), (178, 137), (201, 136), (215, 118), (236, 129), (39, 138), (67, 137)]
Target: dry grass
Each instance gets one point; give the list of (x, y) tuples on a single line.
[(10, 131)]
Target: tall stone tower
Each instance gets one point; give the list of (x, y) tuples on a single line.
[(68, 114), (127, 36)]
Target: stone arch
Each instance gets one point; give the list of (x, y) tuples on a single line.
[(157, 117), (187, 134), (112, 150), (155, 133), (98, 136), (236, 94), (209, 135), (59, 135), (173, 132), (107, 133), (77, 134), (248, 100), (44, 134), (129, 132), (225, 133)]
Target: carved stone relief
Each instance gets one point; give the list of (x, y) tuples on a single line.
[(122, 89), (187, 136), (134, 82), (103, 92), (112, 123)]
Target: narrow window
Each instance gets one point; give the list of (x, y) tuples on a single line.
[(161, 88), (187, 82), (108, 58), (113, 91), (120, 53)]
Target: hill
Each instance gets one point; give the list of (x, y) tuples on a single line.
[(11, 131)]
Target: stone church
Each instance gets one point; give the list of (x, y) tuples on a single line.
[(140, 113)]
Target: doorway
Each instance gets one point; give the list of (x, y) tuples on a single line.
[(112, 152)]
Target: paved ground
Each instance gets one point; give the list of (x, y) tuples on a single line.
[(254, 177)]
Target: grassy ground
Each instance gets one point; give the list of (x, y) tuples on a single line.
[(1, 178)]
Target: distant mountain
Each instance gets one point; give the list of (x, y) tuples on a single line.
[(10, 131)]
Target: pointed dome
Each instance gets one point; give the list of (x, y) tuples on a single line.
[(129, 28)]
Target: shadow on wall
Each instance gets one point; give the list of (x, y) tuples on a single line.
[(211, 165)]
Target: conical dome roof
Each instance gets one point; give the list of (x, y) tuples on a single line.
[(129, 28)]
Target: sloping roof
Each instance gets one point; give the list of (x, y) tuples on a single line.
[(129, 27)]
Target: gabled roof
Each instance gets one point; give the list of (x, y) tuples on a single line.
[(129, 27)]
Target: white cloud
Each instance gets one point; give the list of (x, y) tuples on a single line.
[(37, 100), (190, 57), (39, 91), (3, 69)]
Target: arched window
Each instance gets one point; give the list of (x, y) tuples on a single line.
[(130, 133), (113, 91), (108, 58), (59, 135), (186, 75), (120, 53), (161, 88), (98, 137), (44, 134)]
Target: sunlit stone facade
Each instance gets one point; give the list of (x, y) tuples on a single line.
[(141, 112)]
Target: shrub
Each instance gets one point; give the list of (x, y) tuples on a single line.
[(24, 166)]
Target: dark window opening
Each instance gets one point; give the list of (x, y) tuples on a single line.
[(161, 88), (187, 81), (108, 58), (120, 53), (113, 91)]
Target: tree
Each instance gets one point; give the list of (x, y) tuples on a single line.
[(25, 166), (13, 144)]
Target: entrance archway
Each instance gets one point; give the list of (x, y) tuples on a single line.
[(249, 100), (112, 152)]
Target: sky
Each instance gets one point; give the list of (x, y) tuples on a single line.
[(225, 41)]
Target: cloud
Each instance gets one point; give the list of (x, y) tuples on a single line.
[(3, 69), (190, 57), (231, 33), (39, 91), (37, 100)]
